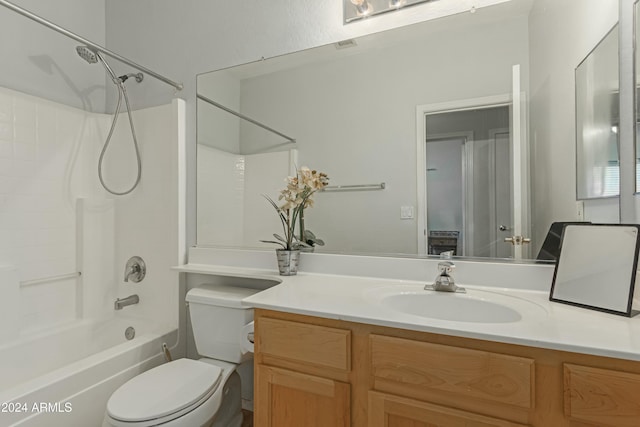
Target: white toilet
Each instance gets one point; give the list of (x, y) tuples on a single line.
[(186, 392)]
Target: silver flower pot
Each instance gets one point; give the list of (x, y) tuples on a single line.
[(288, 261)]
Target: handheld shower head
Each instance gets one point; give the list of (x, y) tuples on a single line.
[(87, 54), (92, 56)]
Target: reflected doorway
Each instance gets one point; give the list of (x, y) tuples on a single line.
[(468, 182)]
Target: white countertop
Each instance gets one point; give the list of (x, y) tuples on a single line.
[(357, 299)]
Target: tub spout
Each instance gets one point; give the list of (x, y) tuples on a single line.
[(123, 302)]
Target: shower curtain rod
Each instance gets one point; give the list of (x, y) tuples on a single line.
[(242, 116), (38, 19)]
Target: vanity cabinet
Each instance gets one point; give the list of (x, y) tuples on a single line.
[(313, 371)]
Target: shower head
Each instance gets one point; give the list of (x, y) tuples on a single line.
[(92, 56), (87, 54)]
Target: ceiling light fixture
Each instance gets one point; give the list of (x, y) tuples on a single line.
[(359, 9), (362, 7)]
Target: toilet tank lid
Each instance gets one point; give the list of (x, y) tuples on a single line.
[(220, 295)]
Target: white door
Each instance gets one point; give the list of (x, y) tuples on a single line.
[(500, 140), (519, 170), (508, 150)]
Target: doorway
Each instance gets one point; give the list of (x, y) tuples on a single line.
[(468, 181)]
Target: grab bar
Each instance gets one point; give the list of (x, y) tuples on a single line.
[(51, 279), (358, 187)]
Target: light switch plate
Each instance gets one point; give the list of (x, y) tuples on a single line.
[(406, 212)]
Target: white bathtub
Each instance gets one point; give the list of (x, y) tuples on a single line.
[(65, 377)]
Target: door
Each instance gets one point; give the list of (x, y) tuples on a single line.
[(519, 170), (291, 399), (468, 175), (496, 172), (501, 199), (445, 158)]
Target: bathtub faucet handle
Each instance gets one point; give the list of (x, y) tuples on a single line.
[(135, 269)]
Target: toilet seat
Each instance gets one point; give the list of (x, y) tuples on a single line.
[(164, 393)]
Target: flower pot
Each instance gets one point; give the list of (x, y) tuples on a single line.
[(288, 261)]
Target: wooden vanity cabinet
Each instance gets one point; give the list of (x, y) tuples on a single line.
[(320, 372), (301, 374)]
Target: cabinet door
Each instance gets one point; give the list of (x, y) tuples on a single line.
[(290, 399), (601, 397), (393, 411)]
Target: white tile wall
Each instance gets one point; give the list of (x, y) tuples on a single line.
[(221, 181), (39, 149), (56, 219)]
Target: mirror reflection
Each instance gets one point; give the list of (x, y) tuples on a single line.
[(597, 118), (637, 32), (468, 120)]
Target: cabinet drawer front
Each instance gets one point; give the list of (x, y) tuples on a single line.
[(602, 396), (390, 411), (309, 344), (423, 370)]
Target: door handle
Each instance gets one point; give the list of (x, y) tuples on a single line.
[(504, 228), (517, 240)]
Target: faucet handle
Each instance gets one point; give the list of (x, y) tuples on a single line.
[(135, 269), (446, 267)]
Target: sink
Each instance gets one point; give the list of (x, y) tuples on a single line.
[(477, 306)]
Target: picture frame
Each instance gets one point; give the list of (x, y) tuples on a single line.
[(596, 267)]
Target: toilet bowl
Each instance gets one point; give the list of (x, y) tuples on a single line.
[(187, 392)]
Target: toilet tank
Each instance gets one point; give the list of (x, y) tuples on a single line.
[(217, 319)]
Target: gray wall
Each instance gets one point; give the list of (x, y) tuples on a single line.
[(185, 38), (562, 33), (40, 62)]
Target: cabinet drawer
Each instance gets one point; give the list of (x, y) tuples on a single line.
[(601, 396), (309, 344), (390, 411), (449, 374)]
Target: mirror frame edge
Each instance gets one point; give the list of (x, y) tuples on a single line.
[(627, 151)]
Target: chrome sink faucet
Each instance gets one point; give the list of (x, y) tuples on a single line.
[(444, 281)]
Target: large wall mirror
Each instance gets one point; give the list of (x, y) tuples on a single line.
[(461, 129)]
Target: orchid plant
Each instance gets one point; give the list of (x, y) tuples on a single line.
[(297, 196)]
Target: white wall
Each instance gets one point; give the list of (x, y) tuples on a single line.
[(41, 62), (55, 219), (221, 183), (562, 34), (217, 128), (41, 174), (146, 221)]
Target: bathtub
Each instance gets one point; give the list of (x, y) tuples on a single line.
[(65, 377)]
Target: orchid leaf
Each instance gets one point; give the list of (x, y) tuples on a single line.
[(273, 241)]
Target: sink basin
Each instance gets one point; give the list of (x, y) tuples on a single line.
[(475, 306)]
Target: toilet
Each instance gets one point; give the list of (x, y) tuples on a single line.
[(187, 392)]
